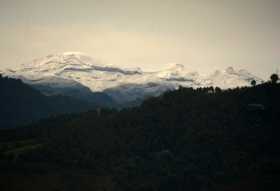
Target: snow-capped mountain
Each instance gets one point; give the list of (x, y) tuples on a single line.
[(77, 70), (231, 78)]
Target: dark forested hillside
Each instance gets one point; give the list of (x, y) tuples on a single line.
[(21, 104), (203, 139), (74, 90)]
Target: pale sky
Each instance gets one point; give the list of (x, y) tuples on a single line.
[(203, 35)]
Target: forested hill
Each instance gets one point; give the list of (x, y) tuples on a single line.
[(203, 139), (21, 104)]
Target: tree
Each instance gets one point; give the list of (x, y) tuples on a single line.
[(253, 82), (274, 78), (218, 90)]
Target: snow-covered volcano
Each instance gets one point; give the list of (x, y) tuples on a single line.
[(73, 68)]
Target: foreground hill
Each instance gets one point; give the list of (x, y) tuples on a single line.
[(21, 104), (188, 139)]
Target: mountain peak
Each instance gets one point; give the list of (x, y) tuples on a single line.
[(55, 63), (230, 70), (65, 58), (73, 53), (175, 66), (81, 68)]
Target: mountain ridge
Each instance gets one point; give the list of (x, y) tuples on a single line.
[(81, 68)]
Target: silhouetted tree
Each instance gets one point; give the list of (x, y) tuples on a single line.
[(253, 82), (218, 90), (274, 78), (210, 90)]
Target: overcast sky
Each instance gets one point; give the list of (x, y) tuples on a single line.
[(204, 35)]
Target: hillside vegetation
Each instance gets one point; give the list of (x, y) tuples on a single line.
[(21, 104), (203, 139)]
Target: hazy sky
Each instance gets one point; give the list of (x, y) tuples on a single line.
[(204, 35)]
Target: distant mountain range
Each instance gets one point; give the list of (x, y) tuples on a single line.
[(78, 75)]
